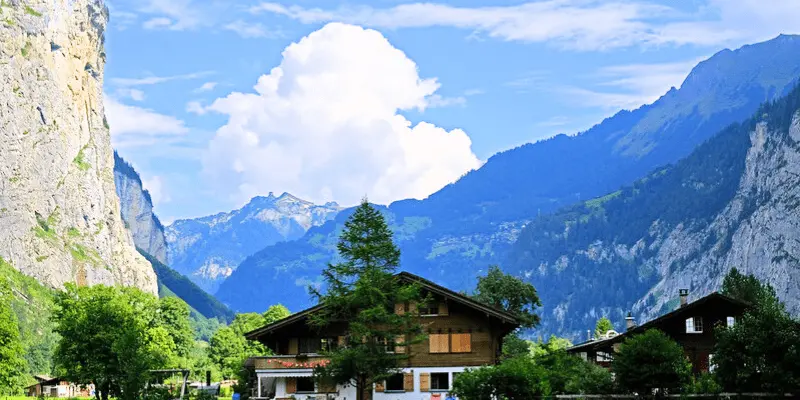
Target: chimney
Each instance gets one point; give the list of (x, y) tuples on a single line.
[(684, 297), (588, 335), (630, 323)]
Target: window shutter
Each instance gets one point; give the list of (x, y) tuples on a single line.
[(341, 341), (293, 349), (439, 343), (400, 308), (379, 386), (291, 385), (461, 342), (408, 381), (443, 308), (399, 342), (425, 382)]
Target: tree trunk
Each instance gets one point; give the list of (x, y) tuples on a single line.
[(363, 390)]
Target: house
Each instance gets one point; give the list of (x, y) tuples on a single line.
[(57, 387), (461, 333), (691, 325)]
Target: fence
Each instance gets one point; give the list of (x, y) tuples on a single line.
[(720, 396)]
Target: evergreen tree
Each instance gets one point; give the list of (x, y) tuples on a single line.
[(603, 325), (509, 293), (12, 363), (362, 290)]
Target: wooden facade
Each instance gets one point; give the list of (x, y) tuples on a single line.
[(692, 326)]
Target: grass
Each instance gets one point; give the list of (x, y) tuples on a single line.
[(44, 227), (32, 12), (73, 232), (26, 50), (79, 160)]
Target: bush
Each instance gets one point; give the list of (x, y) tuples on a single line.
[(649, 361), (705, 383), (518, 378), (157, 393)]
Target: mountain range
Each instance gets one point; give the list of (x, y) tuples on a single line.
[(457, 232)]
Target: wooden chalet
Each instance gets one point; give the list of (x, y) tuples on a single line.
[(692, 325), (461, 333), (57, 387)]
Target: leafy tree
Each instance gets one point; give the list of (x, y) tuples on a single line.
[(12, 363), (509, 293), (110, 337), (603, 325), (515, 346), (362, 289), (174, 317), (228, 348), (517, 378), (569, 374), (649, 361), (541, 349), (761, 352)]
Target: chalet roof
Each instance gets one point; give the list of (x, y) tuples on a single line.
[(407, 277), (680, 312)]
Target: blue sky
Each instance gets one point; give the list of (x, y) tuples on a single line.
[(385, 98)]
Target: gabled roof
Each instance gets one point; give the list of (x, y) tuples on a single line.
[(715, 296), (407, 277)]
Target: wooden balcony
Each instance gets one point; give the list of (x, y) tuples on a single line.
[(303, 361)]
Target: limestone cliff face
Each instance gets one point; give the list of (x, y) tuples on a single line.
[(59, 213), (136, 208)]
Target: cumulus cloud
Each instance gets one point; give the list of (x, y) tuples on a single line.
[(325, 125), (206, 87)]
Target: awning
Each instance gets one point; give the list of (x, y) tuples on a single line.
[(284, 373)]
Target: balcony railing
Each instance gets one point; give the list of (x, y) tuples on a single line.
[(302, 361)]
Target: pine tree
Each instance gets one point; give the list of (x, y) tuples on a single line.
[(362, 289), (12, 363)]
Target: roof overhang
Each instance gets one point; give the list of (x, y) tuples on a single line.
[(284, 373)]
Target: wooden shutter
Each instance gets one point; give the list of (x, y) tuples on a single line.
[(293, 346), (399, 342), (379, 386), (291, 385), (443, 308), (439, 343), (341, 341), (424, 382), (400, 308), (461, 343), (408, 381)]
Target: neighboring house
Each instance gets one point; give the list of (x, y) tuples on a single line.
[(461, 333), (56, 387), (691, 325)]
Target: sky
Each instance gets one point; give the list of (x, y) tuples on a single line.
[(215, 101)]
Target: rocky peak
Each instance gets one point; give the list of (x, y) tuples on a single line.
[(58, 207)]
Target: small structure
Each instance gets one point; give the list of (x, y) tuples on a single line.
[(57, 387), (462, 333), (691, 325)]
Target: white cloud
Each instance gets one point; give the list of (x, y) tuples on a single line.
[(206, 87), (324, 125), (578, 24), (250, 30), (554, 121), (154, 80), (133, 126), (155, 185), (176, 15), (128, 93), (439, 101), (195, 107)]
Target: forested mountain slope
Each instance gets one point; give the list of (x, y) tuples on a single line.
[(731, 203), (457, 232)]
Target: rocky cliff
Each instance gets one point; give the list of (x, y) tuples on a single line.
[(136, 208), (209, 249), (58, 207)]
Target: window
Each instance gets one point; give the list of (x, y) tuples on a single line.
[(439, 343), (328, 344), (388, 344), (440, 381), (461, 343), (305, 385), (711, 365), (429, 309), (395, 383), (694, 325), (308, 345), (731, 321)]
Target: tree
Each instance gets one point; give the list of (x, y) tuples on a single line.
[(174, 316), (363, 290), (649, 361), (517, 378), (603, 325), (110, 337), (540, 348), (569, 374), (515, 346), (760, 352), (509, 293), (228, 348), (12, 362)]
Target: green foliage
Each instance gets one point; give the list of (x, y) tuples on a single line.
[(112, 337), (541, 349), (705, 383), (515, 346), (761, 352), (651, 360), (174, 316), (12, 362), (518, 378), (603, 325), (80, 161), (26, 50), (30, 11), (228, 348), (509, 293), (362, 290)]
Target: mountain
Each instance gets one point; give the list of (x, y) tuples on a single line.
[(453, 235), (136, 207), (731, 203), (58, 207), (208, 249)]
